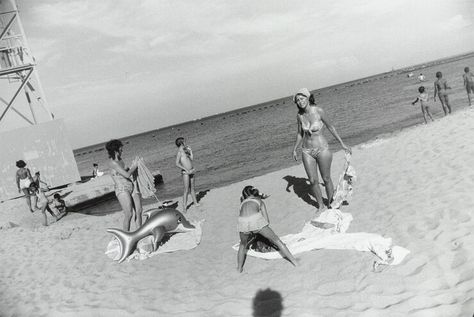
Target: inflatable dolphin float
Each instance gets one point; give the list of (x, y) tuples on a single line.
[(160, 222)]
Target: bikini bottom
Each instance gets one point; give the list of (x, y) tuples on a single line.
[(315, 152), (252, 223)]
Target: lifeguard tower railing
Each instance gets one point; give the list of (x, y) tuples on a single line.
[(28, 131)]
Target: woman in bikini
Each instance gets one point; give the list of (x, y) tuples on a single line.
[(126, 188), (254, 219), (316, 155), (42, 203), (23, 181)]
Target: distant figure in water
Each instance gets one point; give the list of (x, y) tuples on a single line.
[(423, 99), (126, 189), (253, 219), (311, 120), (442, 89), (421, 77), (468, 83), (23, 181), (184, 161)]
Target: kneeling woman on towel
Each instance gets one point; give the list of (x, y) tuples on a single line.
[(316, 154), (254, 219), (126, 187)]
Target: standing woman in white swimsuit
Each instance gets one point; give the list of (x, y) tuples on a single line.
[(316, 155), (126, 189), (23, 181)]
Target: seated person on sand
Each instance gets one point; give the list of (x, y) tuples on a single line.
[(95, 171), (23, 181), (184, 161), (59, 204), (253, 219), (42, 203)]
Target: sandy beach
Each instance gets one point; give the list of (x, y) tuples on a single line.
[(414, 187)]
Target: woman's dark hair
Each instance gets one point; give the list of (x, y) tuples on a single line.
[(421, 89), (57, 196), (113, 147), (33, 186), (466, 69), (250, 191), (179, 141), (20, 164), (439, 74)]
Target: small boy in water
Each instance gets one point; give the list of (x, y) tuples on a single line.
[(468, 83), (423, 99), (184, 161)]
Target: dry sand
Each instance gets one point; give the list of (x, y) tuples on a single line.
[(416, 187)]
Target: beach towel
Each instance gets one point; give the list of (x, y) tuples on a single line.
[(146, 180), (336, 238), (177, 242), (344, 187)]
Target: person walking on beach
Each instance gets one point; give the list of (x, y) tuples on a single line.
[(253, 219), (37, 180), (311, 120), (441, 89), (42, 203), (23, 181), (468, 83), (184, 161), (423, 99), (126, 189)]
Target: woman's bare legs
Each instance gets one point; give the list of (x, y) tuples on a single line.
[(193, 192), (28, 198), (324, 164), (126, 203), (446, 102), (137, 206), (311, 168), (186, 190), (424, 114), (268, 233), (241, 255)]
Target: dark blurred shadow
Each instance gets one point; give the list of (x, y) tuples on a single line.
[(200, 195), (301, 189), (267, 303)]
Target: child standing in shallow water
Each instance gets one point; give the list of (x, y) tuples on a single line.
[(184, 161), (423, 99)]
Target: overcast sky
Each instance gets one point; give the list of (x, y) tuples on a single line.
[(112, 68)]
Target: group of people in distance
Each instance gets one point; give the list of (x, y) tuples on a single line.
[(127, 189), (442, 91), (36, 199)]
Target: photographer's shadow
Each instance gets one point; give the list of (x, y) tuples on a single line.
[(301, 188)]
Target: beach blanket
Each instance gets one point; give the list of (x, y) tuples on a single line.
[(177, 242), (314, 237)]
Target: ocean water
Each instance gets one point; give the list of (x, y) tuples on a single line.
[(256, 140)]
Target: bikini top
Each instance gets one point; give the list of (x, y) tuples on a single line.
[(309, 127), (250, 199)]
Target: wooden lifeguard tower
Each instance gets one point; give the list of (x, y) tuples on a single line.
[(28, 129)]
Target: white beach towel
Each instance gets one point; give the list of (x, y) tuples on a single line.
[(313, 238), (180, 241), (146, 180)]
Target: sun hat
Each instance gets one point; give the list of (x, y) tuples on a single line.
[(303, 91)]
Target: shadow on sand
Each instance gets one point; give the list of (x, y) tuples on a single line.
[(301, 188), (267, 303)]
